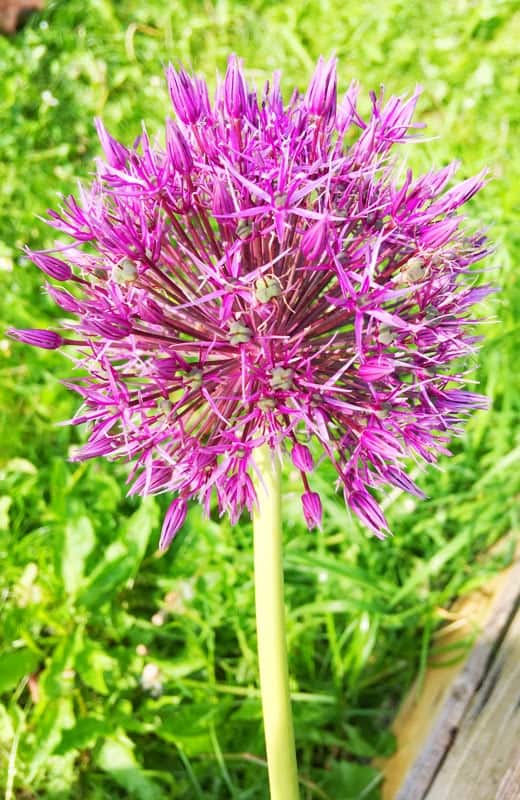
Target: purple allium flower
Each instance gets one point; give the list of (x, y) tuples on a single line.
[(257, 280)]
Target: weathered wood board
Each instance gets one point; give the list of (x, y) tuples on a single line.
[(459, 736)]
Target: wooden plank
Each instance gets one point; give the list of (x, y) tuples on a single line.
[(509, 788), (428, 722), (486, 749)]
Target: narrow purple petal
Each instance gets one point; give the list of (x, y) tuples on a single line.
[(314, 241), (376, 368), (115, 153), (173, 521), (366, 508), (398, 478)]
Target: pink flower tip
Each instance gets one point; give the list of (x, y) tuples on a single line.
[(320, 98), (363, 504), (312, 509), (178, 149), (173, 521), (314, 240), (185, 95), (235, 88), (376, 368), (302, 458), (38, 337), (52, 267), (116, 154)]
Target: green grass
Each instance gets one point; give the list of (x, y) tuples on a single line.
[(82, 588)]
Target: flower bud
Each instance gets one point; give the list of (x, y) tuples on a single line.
[(64, 299), (52, 267), (111, 326), (320, 97), (266, 288), (302, 458), (116, 154), (314, 240), (312, 509), (363, 504), (178, 149), (235, 89), (185, 95), (375, 368), (38, 337)]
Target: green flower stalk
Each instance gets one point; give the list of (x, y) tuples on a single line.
[(270, 623)]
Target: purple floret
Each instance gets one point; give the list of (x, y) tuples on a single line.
[(260, 281)]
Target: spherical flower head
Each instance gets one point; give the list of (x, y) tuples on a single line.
[(258, 281)]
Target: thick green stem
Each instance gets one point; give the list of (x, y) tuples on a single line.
[(270, 624)]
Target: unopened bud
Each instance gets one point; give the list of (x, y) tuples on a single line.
[(125, 272), (164, 405), (281, 378), (266, 404), (266, 288), (312, 509), (302, 458), (386, 335), (235, 88), (194, 379), (239, 333), (244, 229), (413, 271)]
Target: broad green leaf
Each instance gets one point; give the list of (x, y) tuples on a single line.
[(350, 781), (137, 530), (117, 758), (56, 717), (15, 665), (55, 680), (94, 665), (6, 727), (78, 542), (187, 726), (83, 735), (122, 558), (21, 466), (5, 504), (319, 565), (176, 668), (108, 575)]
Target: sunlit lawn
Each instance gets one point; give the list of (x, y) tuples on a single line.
[(86, 601)]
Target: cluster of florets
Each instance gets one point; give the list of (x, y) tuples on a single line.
[(266, 277)]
